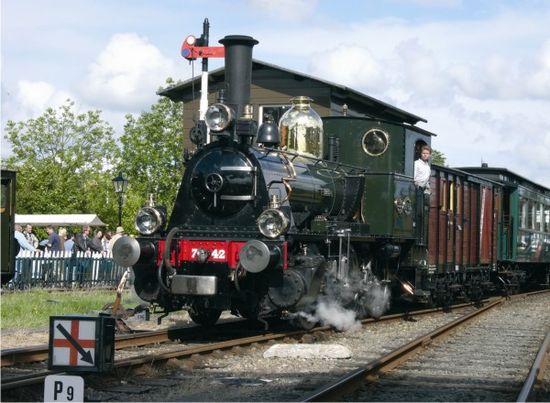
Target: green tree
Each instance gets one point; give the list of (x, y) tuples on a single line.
[(63, 161), (438, 158), (152, 155)]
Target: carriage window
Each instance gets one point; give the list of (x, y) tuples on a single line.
[(523, 213), (531, 215), (546, 219), (443, 194), (458, 198), (451, 196), (538, 217)]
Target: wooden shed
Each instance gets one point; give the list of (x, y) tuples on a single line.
[(272, 88)]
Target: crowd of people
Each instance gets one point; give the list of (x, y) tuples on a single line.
[(100, 242), (64, 258)]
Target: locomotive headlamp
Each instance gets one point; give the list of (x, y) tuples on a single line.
[(272, 223), (218, 117), (149, 220)]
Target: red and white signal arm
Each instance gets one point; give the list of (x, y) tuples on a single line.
[(81, 343)]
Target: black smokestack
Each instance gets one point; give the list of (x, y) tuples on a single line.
[(238, 70)]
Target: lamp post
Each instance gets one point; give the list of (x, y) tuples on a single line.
[(121, 184)]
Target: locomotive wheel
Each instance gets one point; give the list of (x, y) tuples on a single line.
[(204, 316)]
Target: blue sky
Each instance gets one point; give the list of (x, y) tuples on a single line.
[(478, 71)]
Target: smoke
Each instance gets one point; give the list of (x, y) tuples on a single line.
[(332, 314), (344, 303)]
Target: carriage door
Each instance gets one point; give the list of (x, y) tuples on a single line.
[(459, 222), (506, 234), (451, 220), (486, 228), (446, 220)]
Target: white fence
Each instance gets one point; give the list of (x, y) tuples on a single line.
[(65, 270)]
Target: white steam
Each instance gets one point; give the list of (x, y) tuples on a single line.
[(330, 313), (345, 303)]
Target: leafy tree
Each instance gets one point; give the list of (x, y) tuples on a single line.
[(438, 157), (151, 154), (63, 161)]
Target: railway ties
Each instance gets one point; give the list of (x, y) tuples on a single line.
[(485, 360)]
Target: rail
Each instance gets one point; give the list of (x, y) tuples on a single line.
[(536, 371)]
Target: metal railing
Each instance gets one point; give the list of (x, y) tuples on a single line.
[(65, 270)]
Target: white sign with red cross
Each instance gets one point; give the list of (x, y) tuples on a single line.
[(74, 342)]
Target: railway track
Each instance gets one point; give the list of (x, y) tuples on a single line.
[(473, 362), (40, 353), (15, 356), (182, 353)]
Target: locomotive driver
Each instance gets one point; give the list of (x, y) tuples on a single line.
[(422, 173)]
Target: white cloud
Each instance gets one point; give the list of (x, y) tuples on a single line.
[(539, 83), (28, 100), (437, 3), (420, 72), (353, 66), (38, 95), (127, 73), (33, 97), (286, 10), (511, 134)]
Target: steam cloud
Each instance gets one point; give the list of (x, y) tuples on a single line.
[(335, 315), (344, 304)]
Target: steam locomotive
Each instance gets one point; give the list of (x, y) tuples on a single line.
[(272, 221)]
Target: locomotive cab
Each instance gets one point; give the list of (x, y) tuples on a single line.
[(386, 150)]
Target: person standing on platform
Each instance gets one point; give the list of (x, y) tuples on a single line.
[(54, 243), (81, 260), (23, 245), (30, 236)]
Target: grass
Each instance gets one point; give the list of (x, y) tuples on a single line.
[(31, 309)]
